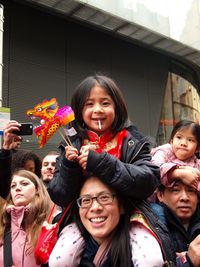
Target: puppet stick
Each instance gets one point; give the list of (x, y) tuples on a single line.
[(66, 141), (67, 137)]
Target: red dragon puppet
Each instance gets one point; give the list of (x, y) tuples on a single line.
[(51, 118)]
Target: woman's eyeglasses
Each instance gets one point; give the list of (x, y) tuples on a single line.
[(102, 198)]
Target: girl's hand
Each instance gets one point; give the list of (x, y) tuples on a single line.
[(82, 160), (181, 254), (71, 153), (188, 175), (194, 251), (86, 148), (8, 137)]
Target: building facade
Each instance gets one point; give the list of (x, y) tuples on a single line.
[(46, 53)]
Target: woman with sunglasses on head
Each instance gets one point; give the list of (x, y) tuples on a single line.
[(103, 234)]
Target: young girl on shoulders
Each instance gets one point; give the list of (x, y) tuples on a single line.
[(105, 144), (177, 159)]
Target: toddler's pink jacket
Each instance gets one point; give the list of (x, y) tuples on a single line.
[(166, 159)]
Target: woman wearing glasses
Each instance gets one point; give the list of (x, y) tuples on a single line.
[(102, 234)]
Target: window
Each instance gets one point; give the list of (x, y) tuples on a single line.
[(181, 101)]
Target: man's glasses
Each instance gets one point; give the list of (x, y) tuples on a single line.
[(103, 199)]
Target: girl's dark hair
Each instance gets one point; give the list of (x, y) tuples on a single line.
[(81, 94), (20, 158), (195, 127), (120, 251)]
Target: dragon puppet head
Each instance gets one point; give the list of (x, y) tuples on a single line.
[(51, 118), (45, 110)]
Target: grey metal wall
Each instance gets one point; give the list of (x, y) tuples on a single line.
[(46, 56)]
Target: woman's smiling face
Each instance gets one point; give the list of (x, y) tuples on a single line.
[(99, 220)]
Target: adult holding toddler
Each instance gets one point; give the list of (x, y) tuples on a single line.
[(177, 159)]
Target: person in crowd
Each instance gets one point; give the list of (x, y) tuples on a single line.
[(178, 208), (105, 143), (28, 160), (177, 159), (47, 172), (48, 166), (16, 144), (103, 234), (26, 208), (6, 156)]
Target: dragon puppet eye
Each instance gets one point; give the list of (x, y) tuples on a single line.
[(39, 109)]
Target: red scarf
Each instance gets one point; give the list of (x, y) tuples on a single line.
[(106, 142)]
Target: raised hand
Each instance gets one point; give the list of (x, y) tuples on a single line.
[(9, 138)]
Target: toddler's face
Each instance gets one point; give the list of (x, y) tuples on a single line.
[(99, 111), (184, 144)]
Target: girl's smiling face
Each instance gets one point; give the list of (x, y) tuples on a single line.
[(99, 111), (99, 220), (22, 190)]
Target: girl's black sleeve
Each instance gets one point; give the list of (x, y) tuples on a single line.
[(66, 183), (136, 180)]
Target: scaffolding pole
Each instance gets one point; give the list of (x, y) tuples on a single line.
[(1, 60), (1, 51)]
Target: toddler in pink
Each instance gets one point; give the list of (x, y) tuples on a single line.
[(177, 159)]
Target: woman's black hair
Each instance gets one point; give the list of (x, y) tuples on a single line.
[(195, 127), (120, 251), (20, 158), (81, 94)]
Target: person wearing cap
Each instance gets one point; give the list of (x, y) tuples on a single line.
[(178, 208)]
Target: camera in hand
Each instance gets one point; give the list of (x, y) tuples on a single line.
[(25, 129)]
